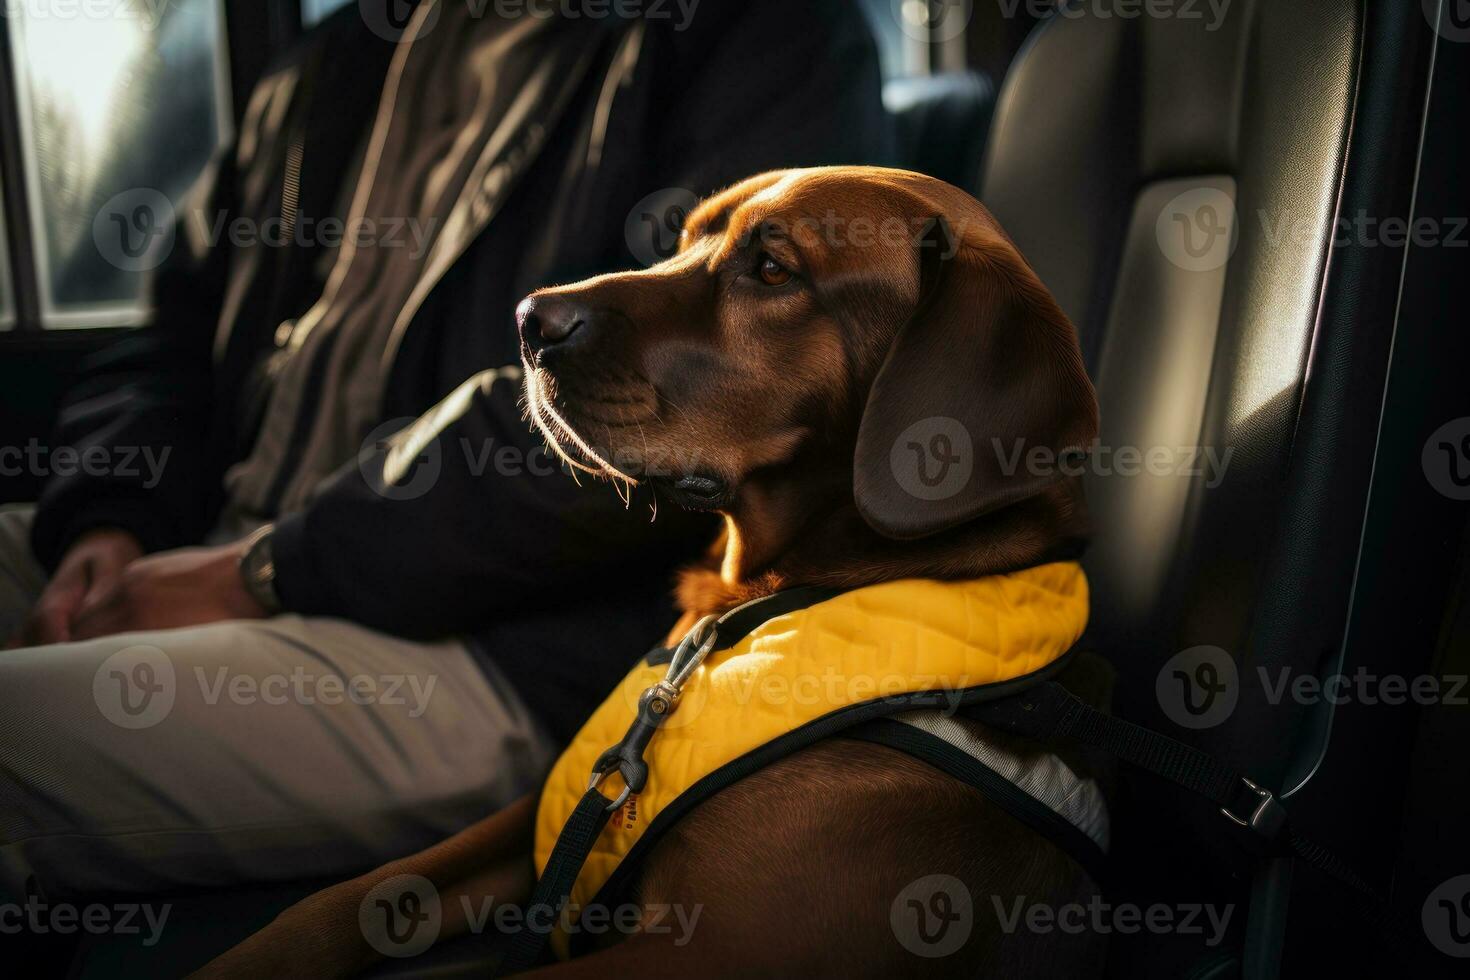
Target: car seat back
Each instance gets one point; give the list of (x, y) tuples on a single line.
[(1190, 185)]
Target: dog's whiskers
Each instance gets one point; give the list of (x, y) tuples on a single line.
[(555, 428), (625, 491)]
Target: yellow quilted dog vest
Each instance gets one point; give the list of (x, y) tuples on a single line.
[(870, 653)]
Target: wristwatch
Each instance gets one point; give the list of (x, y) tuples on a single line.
[(258, 570)]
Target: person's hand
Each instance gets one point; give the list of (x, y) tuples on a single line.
[(88, 571), (188, 587)]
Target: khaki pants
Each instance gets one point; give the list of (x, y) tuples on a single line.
[(243, 752)]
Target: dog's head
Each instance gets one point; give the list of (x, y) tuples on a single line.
[(831, 350)]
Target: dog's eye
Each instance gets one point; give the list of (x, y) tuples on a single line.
[(772, 273)]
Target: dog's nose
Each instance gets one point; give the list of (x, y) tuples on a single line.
[(546, 321)]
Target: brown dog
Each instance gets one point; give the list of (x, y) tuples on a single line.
[(767, 372)]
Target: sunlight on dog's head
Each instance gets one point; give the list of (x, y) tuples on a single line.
[(765, 368), (750, 346)]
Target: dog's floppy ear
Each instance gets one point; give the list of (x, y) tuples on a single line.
[(983, 398)]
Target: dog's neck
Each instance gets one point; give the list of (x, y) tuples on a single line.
[(766, 542), (784, 534)]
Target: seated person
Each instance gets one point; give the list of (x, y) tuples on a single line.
[(324, 635)]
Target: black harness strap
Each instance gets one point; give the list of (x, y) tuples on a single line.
[(960, 765), (594, 810), (744, 620), (582, 829)]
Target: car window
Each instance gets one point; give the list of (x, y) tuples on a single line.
[(315, 11), (120, 106), (917, 37)]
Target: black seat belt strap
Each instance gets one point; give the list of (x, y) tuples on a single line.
[(1049, 710)]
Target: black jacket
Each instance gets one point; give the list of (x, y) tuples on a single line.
[(562, 586)]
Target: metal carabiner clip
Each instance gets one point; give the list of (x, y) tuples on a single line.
[(654, 707), (690, 653)]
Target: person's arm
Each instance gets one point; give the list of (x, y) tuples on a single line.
[(465, 517), (143, 404)]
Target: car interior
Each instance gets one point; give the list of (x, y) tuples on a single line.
[(1319, 359)]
